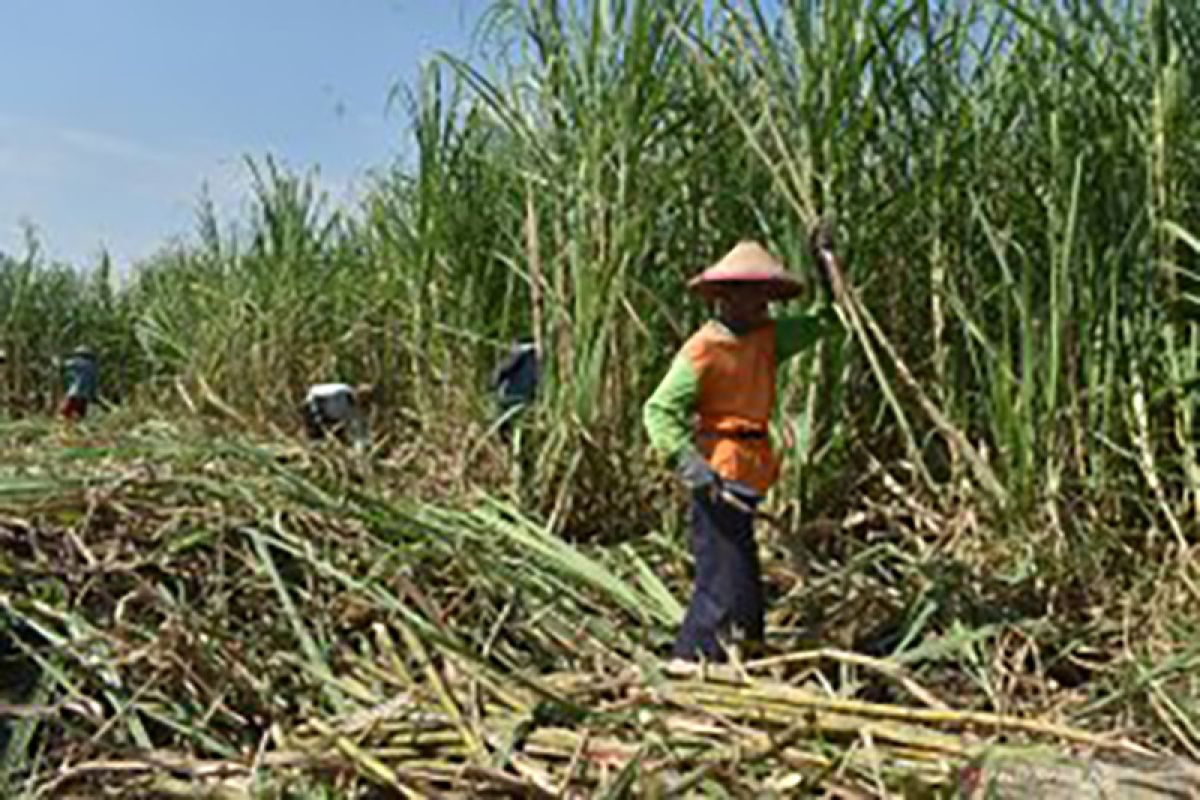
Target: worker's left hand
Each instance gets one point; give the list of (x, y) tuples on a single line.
[(696, 473)]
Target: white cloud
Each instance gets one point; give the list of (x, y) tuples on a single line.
[(121, 148), (88, 190), (24, 136)]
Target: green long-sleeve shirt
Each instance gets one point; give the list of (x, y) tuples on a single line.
[(668, 413)]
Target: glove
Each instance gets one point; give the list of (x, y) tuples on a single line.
[(695, 472)]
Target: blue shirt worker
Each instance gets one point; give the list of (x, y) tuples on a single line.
[(81, 374), (515, 382)]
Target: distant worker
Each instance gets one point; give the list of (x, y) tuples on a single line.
[(338, 409), (515, 382), (81, 374)]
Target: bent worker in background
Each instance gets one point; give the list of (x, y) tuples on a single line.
[(81, 373), (337, 409), (709, 418)]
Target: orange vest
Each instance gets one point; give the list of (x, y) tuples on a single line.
[(736, 376)]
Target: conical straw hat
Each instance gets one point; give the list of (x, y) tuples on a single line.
[(748, 262)]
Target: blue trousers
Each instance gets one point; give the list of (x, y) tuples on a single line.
[(728, 593)]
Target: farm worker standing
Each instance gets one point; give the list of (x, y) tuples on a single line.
[(709, 417), (337, 408), (80, 371)]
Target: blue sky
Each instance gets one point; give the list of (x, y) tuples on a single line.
[(114, 113)]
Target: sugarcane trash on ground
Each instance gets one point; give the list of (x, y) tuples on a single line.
[(414, 698)]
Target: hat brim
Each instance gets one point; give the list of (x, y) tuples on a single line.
[(777, 288)]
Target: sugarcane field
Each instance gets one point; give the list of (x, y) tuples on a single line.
[(726, 399)]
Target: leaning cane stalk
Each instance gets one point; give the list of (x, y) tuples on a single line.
[(846, 300), (835, 289)]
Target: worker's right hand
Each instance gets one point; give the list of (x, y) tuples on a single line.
[(820, 242), (696, 473)]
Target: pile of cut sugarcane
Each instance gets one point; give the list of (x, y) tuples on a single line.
[(242, 619)]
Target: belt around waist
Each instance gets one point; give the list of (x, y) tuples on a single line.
[(750, 435)]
